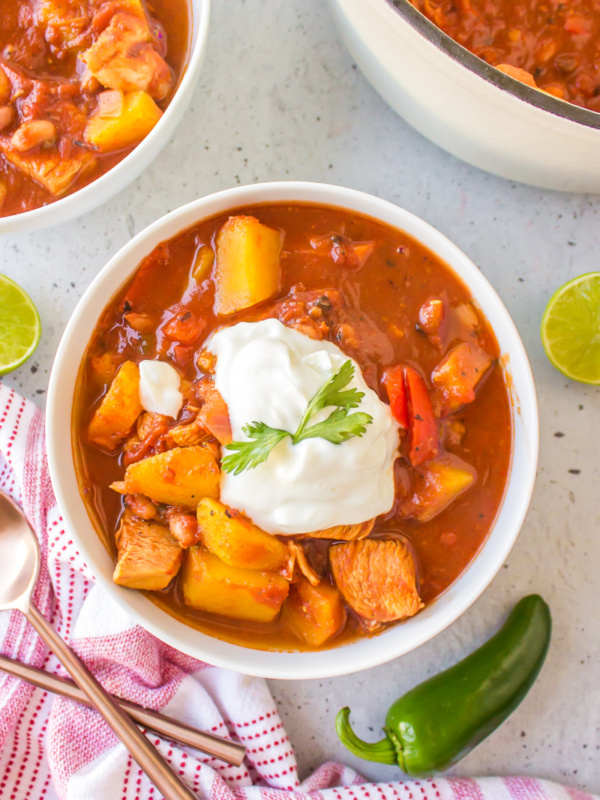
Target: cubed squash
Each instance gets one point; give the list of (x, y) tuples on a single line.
[(236, 541), (120, 407), (247, 270), (121, 120), (458, 374), (178, 477), (211, 585), (149, 557), (315, 613), (438, 484)]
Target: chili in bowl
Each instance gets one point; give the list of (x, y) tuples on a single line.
[(89, 94), (303, 421), (463, 74)]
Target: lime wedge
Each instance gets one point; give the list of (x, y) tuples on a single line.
[(20, 326), (571, 328)]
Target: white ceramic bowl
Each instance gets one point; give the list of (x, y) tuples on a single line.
[(363, 653), (467, 106), (126, 171)]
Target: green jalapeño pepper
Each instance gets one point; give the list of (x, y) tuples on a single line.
[(438, 722)]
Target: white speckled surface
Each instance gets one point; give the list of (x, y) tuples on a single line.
[(280, 98)]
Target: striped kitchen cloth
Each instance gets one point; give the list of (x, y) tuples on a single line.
[(52, 748)]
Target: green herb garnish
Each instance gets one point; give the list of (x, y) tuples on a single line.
[(337, 428)]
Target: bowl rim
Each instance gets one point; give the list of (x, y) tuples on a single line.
[(360, 654), (64, 207), (533, 97)]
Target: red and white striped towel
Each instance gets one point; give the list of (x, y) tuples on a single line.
[(53, 748)]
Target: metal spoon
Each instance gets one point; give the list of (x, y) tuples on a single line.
[(19, 567)]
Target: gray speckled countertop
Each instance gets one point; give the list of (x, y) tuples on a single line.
[(280, 98)]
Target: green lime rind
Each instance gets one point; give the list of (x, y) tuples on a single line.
[(571, 328), (20, 326)]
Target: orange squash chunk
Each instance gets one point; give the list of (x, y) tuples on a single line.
[(247, 270), (120, 407), (121, 120), (457, 375), (211, 585), (377, 578), (178, 477), (438, 484), (316, 613), (236, 541)]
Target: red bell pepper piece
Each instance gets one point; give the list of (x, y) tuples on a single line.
[(393, 380), (423, 438)]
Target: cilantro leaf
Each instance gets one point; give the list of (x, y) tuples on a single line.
[(332, 394), (338, 427), (250, 454)]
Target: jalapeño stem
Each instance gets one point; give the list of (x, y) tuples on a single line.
[(384, 751)]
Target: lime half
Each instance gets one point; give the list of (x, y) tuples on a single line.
[(571, 328), (20, 326)]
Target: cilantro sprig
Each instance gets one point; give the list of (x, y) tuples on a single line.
[(339, 426)]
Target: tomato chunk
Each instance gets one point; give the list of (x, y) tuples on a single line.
[(183, 326), (393, 380), (457, 375), (423, 439)]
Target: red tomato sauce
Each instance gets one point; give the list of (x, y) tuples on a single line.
[(42, 79), (382, 328), (556, 41)]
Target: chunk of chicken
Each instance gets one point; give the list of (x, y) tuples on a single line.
[(189, 433), (148, 438), (299, 558), (48, 167), (346, 533), (376, 578), (124, 57), (149, 557)]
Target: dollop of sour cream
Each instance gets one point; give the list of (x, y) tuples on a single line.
[(159, 388), (268, 372)]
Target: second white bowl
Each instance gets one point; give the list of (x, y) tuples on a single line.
[(126, 171)]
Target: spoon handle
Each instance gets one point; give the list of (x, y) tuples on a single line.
[(208, 743), (147, 757)]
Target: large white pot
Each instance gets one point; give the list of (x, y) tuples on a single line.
[(466, 106), (363, 653), (126, 171)]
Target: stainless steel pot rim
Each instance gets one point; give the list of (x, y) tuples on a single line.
[(541, 100)]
